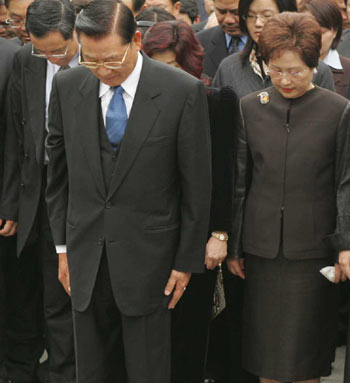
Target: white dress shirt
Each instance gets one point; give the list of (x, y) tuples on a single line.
[(51, 70), (106, 93), (333, 59)]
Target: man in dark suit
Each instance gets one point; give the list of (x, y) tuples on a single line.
[(128, 192), (54, 47), (226, 38), (17, 10), (7, 246)]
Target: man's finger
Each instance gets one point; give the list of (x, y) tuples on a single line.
[(170, 286), (337, 273), (238, 270), (209, 263), (180, 289)]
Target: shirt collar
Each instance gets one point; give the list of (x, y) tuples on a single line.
[(333, 59), (130, 83), (228, 38), (75, 60)]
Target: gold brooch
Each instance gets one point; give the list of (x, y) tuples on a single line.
[(264, 97)]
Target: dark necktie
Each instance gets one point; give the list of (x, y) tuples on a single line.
[(64, 68), (233, 47), (116, 118)]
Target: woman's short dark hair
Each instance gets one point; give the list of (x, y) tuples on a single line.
[(102, 17), (289, 31), (243, 10), (178, 37), (328, 15), (45, 16), (150, 16)]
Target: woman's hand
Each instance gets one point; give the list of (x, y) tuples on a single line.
[(236, 266), (344, 263)]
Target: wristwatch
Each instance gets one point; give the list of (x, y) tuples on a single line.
[(220, 236)]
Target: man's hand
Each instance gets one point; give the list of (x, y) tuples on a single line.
[(9, 229), (63, 272), (215, 253), (339, 275), (178, 280), (236, 266), (344, 262)]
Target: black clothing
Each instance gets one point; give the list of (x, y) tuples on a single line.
[(191, 317), (215, 48)]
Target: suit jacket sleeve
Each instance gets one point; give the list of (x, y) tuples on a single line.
[(242, 180), (13, 153), (340, 240), (324, 77), (194, 164), (57, 181)]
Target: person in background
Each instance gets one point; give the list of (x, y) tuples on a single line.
[(80, 4), (344, 44), (223, 40), (288, 210), (328, 15), (151, 16), (135, 6), (17, 10), (210, 20), (172, 6), (189, 12), (3, 18), (174, 43), (246, 72)]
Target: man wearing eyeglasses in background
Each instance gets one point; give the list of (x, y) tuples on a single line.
[(54, 47), (17, 10), (226, 38), (128, 194)]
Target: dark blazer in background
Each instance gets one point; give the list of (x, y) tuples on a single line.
[(342, 77), (154, 215), (215, 48), (344, 44), (25, 144)]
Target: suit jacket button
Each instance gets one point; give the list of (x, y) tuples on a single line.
[(23, 122), (22, 185), (108, 205), (114, 158), (100, 242)]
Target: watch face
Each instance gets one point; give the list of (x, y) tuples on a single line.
[(222, 237)]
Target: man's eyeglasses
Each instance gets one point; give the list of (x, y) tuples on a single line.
[(15, 23), (57, 54), (107, 64), (252, 18), (279, 75)]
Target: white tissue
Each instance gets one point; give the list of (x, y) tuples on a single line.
[(329, 273)]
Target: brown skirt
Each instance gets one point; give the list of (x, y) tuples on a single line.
[(290, 319)]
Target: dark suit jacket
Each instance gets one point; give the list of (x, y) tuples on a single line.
[(24, 152), (292, 163), (342, 77), (215, 50), (154, 217), (7, 51)]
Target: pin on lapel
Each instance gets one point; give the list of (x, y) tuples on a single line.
[(264, 98)]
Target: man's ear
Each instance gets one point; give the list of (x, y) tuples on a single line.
[(138, 40), (177, 7), (197, 20)]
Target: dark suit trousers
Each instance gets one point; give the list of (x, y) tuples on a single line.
[(225, 346), (190, 329), (114, 348), (57, 306), (21, 312)]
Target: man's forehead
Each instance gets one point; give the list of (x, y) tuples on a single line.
[(227, 4), (19, 7)]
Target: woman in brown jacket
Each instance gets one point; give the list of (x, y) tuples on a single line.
[(292, 154)]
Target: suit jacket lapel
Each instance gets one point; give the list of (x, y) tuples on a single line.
[(143, 115), (35, 78), (87, 120), (218, 49)]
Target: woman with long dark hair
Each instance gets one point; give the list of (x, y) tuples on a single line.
[(245, 72)]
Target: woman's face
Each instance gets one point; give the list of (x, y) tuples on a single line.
[(290, 75), (167, 57), (328, 36), (259, 12)]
